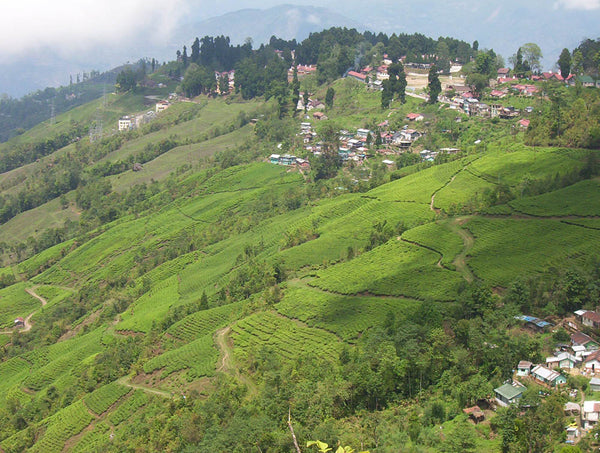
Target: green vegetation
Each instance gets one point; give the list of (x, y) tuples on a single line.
[(198, 302)]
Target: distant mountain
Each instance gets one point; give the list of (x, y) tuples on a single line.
[(503, 26), (284, 21)]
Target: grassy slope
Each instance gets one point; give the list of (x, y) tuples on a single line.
[(315, 315)]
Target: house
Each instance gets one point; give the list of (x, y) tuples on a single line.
[(581, 339), (592, 362), (572, 409), (564, 360), (319, 116), (546, 376), (497, 94), (161, 106), (414, 117), (475, 413), (508, 394), (410, 135), (389, 163), (503, 72), (524, 123), (524, 368), (591, 319), (274, 159), (595, 384), (579, 351), (357, 75), (126, 123), (137, 167), (303, 164), (579, 315), (362, 133), (287, 160), (382, 72), (19, 322), (552, 76), (590, 414)]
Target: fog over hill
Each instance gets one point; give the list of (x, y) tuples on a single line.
[(158, 31)]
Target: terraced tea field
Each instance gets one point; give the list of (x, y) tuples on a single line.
[(523, 246), (285, 337), (396, 268), (347, 317)]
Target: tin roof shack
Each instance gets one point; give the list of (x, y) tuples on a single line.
[(549, 377), (595, 384), (508, 394), (19, 322), (533, 323)]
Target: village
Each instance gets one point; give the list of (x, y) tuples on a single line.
[(355, 146), (578, 358)]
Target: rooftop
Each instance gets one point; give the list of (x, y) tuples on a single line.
[(509, 392)]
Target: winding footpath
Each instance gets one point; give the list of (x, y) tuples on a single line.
[(127, 383), (227, 365), (27, 321)]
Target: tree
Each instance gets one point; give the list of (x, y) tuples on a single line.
[(125, 81), (475, 45), (577, 63), (564, 63), (329, 97), (197, 80), (477, 82), (434, 85), (442, 53), (224, 85), (305, 99), (532, 54), (295, 87), (184, 57), (396, 84)]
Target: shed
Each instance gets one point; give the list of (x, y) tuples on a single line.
[(19, 322), (595, 384)]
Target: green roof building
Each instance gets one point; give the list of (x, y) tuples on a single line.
[(508, 394)]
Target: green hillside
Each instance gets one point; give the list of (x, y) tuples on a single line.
[(194, 304)]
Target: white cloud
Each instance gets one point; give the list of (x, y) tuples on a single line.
[(586, 5), (76, 25)]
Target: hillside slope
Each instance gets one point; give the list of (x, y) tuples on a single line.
[(224, 294)]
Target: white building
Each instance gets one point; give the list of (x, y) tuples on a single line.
[(161, 106), (126, 123)]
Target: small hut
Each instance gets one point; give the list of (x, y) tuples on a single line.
[(19, 322), (475, 413)]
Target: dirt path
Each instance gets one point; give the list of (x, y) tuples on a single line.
[(27, 320), (468, 241), (125, 381), (227, 364)]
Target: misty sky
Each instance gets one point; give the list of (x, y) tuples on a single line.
[(70, 26), (43, 41)]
